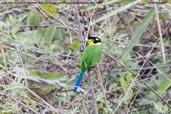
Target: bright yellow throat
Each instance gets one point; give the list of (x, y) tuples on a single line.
[(91, 42)]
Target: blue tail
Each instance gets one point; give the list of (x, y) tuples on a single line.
[(77, 83)]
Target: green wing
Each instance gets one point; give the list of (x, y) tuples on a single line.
[(91, 56)]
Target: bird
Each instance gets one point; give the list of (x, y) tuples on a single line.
[(90, 57)]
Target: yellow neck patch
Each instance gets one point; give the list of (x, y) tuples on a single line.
[(91, 42)]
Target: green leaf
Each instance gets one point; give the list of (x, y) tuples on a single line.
[(59, 34), (29, 37), (53, 75), (46, 75), (124, 84), (75, 44), (34, 17), (164, 86), (36, 73), (144, 2), (5, 54), (129, 77), (113, 86), (138, 32), (49, 34), (145, 101), (48, 88), (120, 9), (31, 102), (50, 8)]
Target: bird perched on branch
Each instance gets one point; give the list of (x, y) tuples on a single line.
[(91, 55)]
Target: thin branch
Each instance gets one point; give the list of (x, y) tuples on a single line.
[(160, 34), (101, 83), (20, 102), (79, 24), (46, 103), (95, 109)]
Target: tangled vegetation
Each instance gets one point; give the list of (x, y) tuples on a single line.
[(41, 44)]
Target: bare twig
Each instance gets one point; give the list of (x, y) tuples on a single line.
[(79, 24), (47, 104), (160, 34), (95, 109), (26, 106), (101, 83)]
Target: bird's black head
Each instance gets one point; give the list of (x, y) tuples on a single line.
[(93, 40)]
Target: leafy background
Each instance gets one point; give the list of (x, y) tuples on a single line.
[(41, 45)]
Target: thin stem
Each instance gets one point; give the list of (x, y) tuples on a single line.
[(101, 84), (95, 109), (160, 34)]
